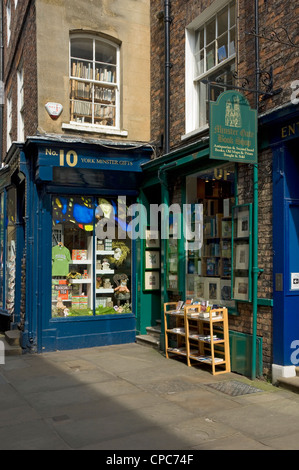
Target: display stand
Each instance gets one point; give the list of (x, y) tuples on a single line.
[(174, 321), (201, 337)]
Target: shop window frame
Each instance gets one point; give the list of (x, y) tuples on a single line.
[(239, 241)]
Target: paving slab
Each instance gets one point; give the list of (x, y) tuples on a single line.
[(130, 397)]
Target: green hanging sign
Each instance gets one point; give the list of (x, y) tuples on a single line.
[(233, 129)]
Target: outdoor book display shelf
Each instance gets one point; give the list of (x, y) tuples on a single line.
[(200, 336)]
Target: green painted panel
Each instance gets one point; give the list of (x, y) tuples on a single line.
[(241, 353)]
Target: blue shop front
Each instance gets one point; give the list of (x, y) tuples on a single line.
[(68, 259), (280, 133)]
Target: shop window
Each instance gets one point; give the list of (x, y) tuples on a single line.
[(94, 82), (11, 250), (208, 265), (210, 56), (91, 273), (2, 257)]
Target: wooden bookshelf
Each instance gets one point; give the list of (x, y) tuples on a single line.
[(201, 337)]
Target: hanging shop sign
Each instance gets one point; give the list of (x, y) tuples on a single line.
[(233, 129)]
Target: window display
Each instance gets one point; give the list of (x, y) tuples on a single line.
[(90, 275), (208, 267), (10, 278), (241, 252)]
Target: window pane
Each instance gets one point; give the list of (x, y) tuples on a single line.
[(232, 37), (210, 59), (222, 22), (104, 115), (81, 69), (105, 53), (222, 48), (232, 13), (105, 73), (199, 60), (72, 254), (199, 39), (210, 32), (82, 48)]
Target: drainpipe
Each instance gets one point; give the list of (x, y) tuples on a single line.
[(167, 21), (255, 269), (1, 79)]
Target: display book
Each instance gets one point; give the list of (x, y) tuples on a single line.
[(72, 295), (199, 332)]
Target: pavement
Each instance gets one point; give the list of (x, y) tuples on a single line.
[(131, 398)]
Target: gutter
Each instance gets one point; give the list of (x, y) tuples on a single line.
[(167, 21)]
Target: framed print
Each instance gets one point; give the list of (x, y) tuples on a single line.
[(172, 281), (151, 280), (241, 290), (212, 289), (199, 287), (152, 239), (152, 259), (225, 293), (242, 252), (243, 224), (242, 256)]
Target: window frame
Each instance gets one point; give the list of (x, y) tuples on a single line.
[(195, 120), (8, 20), (20, 103), (9, 121), (115, 85)]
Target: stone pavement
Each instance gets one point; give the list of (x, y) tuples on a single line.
[(130, 397)]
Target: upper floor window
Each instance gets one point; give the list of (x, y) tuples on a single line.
[(210, 55), (8, 20), (20, 104), (94, 81), (8, 122)]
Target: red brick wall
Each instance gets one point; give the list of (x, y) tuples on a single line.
[(284, 60)]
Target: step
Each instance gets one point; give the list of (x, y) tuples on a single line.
[(148, 340), (10, 350), (13, 337), (289, 383), (154, 331)]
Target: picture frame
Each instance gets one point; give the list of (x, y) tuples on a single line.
[(152, 239), (212, 289), (243, 226), (199, 287), (242, 256), (225, 293), (241, 288), (152, 259), (151, 280)]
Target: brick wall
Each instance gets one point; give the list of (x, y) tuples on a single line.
[(21, 47), (284, 61)]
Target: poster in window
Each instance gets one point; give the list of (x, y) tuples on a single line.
[(152, 239), (242, 256), (151, 280), (152, 259), (241, 288), (243, 224)]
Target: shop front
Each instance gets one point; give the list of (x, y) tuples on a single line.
[(68, 253), (281, 136)]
